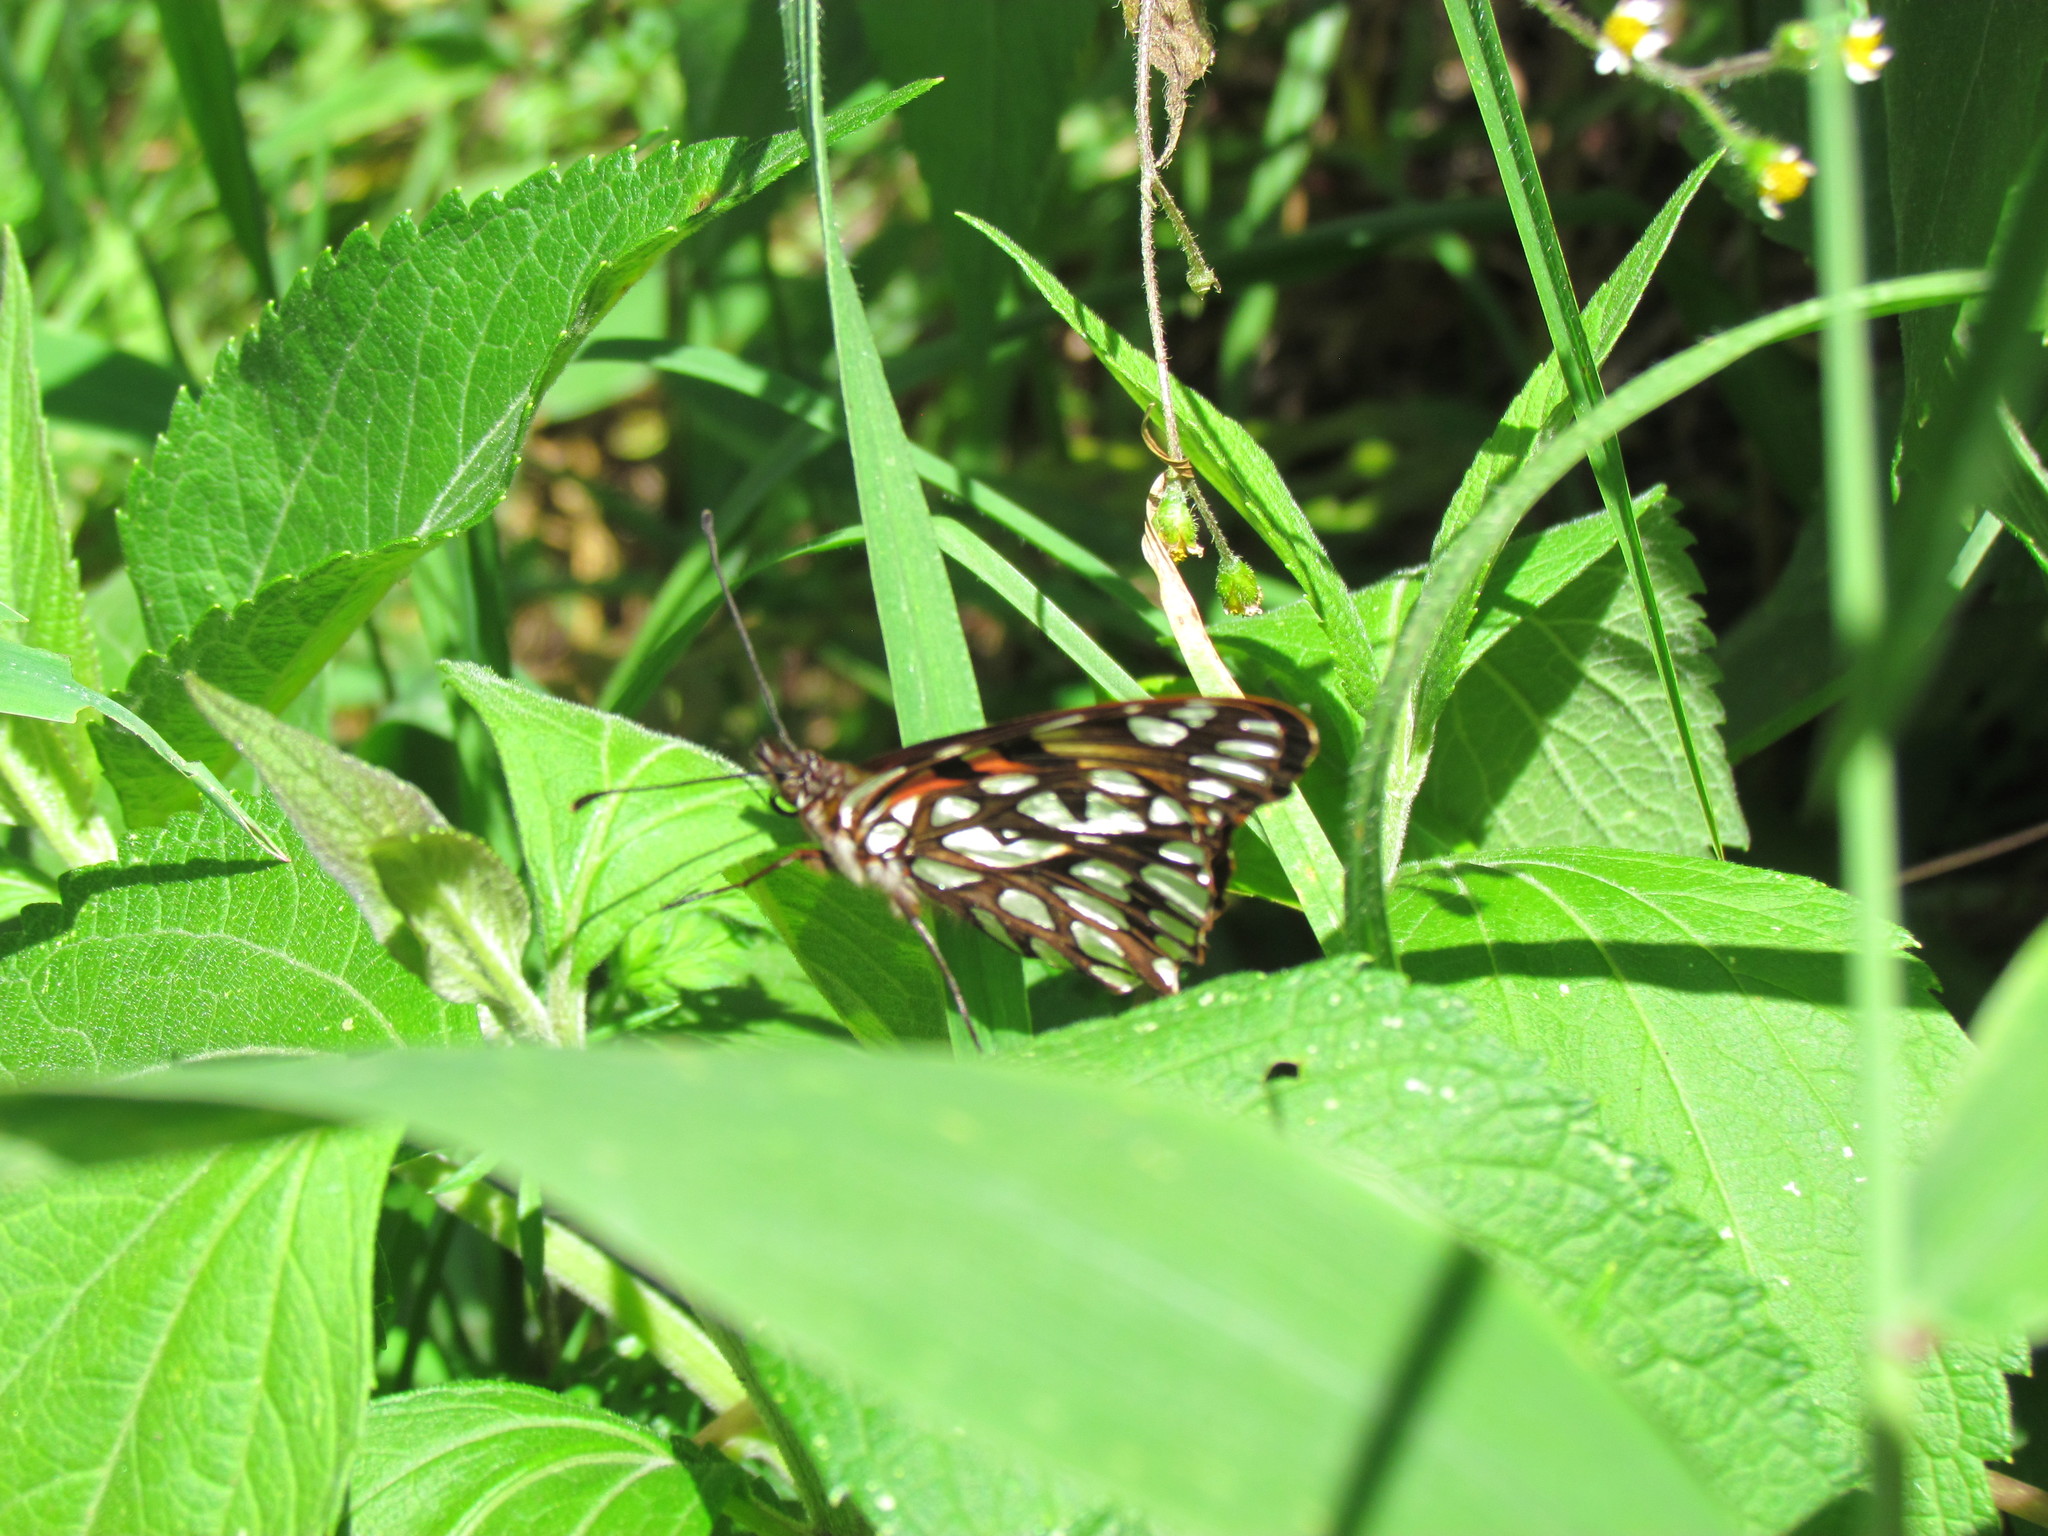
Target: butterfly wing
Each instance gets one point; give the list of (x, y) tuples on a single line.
[(1098, 838)]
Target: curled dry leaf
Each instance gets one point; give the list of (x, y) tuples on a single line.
[(1181, 50)]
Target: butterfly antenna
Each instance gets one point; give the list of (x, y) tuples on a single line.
[(635, 789), (740, 624)]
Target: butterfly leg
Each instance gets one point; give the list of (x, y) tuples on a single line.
[(952, 982)]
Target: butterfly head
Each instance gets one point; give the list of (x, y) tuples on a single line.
[(804, 780)]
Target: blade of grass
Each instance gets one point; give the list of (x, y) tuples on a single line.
[(197, 42), (929, 665), (1235, 464), (58, 205), (1486, 64), (1458, 570), (1866, 786)]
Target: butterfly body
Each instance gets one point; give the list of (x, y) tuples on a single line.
[(1097, 838)]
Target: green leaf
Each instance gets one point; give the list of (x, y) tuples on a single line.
[(1559, 734), (599, 869), (47, 769), (191, 947), (863, 959), (196, 39), (281, 506), (187, 1338), (1980, 1203), (437, 898), (499, 1459), (1701, 1005), (877, 1210), (1395, 1082), (1230, 460), (469, 913)]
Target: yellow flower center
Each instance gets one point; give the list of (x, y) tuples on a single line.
[(1625, 32), (1784, 181), (1864, 50)]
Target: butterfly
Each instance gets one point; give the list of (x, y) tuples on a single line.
[(1097, 838)]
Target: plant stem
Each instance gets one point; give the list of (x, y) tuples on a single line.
[(1866, 788)]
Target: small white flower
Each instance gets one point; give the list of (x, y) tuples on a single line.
[(1864, 54), (1633, 30)]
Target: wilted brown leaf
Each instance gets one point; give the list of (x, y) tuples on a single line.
[(1182, 51)]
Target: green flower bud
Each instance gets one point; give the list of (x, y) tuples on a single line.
[(1173, 516), (1237, 588)]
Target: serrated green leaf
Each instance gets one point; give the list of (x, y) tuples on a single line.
[(47, 769), (193, 946), (1558, 734), (498, 1459), (877, 1210), (1701, 1005), (599, 870), (279, 507), (187, 1338), (1394, 1081)]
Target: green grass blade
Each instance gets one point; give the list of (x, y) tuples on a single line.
[(1459, 571), (197, 41), (929, 665), (1235, 464), (1486, 64), (927, 650)]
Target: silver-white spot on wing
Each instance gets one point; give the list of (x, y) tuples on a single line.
[(1093, 907), (1113, 977), (941, 876), (1263, 750), (984, 847), (1211, 789), (1025, 906), (1195, 713), (1166, 811), (994, 926), (1171, 929), (949, 809), (1108, 819), (1167, 972), (1008, 783), (905, 810), (1117, 782), (884, 838), (1093, 941), (1255, 725), (1156, 731), (1183, 853), (1178, 889), (1107, 878), (1251, 773)]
